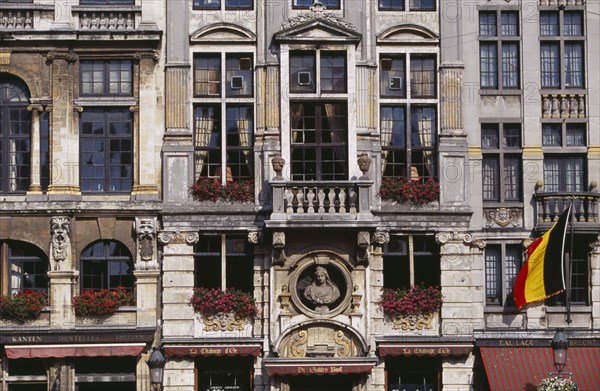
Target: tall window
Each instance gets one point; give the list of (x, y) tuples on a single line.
[(115, 2), (223, 116), (502, 264), (562, 49), (27, 266), (408, 127), (106, 145), (106, 264), (15, 136), (565, 159), (224, 261), (410, 260), (499, 63), (319, 129), (501, 171), (106, 133)]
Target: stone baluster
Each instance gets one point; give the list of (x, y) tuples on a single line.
[(299, 196), (310, 197), (321, 196), (555, 106), (564, 106), (352, 199), (546, 106), (342, 197), (573, 106), (581, 106), (288, 198)]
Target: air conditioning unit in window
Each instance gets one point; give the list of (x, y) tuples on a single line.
[(304, 78), (237, 82), (395, 83)]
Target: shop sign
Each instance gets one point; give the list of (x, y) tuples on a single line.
[(223, 388), (28, 339)]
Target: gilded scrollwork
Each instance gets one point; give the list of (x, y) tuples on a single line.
[(413, 322), (298, 344), (343, 343)]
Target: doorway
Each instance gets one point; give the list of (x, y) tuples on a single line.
[(322, 383)]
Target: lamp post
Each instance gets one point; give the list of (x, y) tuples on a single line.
[(156, 363), (560, 344)]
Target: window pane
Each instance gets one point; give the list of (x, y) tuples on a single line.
[(207, 4), (392, 76), (576, 135), (333, 72), (238, 4), (422, 77), (551, 135), (239, 75), (106, 265), (388, 5), (422, 5), (423, 141), (512, 267), (28, 268), (573, 65), (510, 65), (488, 55), (491, 178), (549, 23), (512, 136), (302, 71), (493, 274), (550, 64), (487, 23), (489, 136), (393, 141), (207, 75), (509, 22), (512, 178), (239, 130), (207, 141), (573, 24)]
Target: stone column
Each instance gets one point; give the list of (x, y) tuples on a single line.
[(35, 165)]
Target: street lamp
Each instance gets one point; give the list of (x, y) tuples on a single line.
[(156, 363), (560, 344)]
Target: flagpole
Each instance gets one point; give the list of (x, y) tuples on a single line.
[(570, 264)]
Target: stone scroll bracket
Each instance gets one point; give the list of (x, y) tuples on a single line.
[(178, 237), (146, 230)]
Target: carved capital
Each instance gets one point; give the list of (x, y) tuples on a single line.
[(178, 237), (36, 107), (69, 56), (466, 238), (153, 54), (255, 236), (78, 109), (381, 237), (134, 109)]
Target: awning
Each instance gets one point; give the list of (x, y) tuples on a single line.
[(521, 369), (80, 350), (212, 350), (423, 349), (313, 366)]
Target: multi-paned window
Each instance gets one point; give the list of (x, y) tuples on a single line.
[(413, 373), (502, 157), (499, 59), (224, 261), (306, 4), (502, 264), (410, 260), (224, 116), (318, 128), (106, 132), (106, 264), (408, 127), (15, 136), (106, 145), (562, 49), (107, 2), (407, 5), (565, 160), (228, 4), (27, 267)]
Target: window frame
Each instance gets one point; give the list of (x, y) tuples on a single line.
[(317, 72), (223, 256), (562, 154), (406, 252), (561, 41), (106, 77), (507, 276), (107, 2), (33, 255), (502, 153), (338, 6), (107, 258), (222, 5), (501, 60)]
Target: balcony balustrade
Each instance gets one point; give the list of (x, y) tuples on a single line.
[(97, 19), (551, 205), (563, 106), (562, 2), (16, 19)]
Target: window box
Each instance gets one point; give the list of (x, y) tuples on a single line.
[(101, 303), (403, 190), (210, 189), (417, 301), (24, 306)]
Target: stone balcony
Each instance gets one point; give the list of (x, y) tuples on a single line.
[(23, 16), (550, 205), (103, 18), (562, 2), (321, 202), (563, 105)]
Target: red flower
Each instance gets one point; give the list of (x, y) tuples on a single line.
[(211, 301), (210, 189), (22, 306), (417, 300), (401, 190), (101, 303)]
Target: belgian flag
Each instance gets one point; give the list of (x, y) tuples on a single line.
[(543, 275)]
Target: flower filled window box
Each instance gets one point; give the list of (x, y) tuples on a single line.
[(211, 189), (404, 190), (22, 306), (556, 383), (228, 309), (101, 303), (412, 308)]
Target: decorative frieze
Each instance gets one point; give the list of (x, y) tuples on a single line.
[(413, 322)]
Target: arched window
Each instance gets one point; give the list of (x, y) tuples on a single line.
[(27, 267), (106, 264), (15, 136)]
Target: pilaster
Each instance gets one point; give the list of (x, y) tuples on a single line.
[(62, 285)]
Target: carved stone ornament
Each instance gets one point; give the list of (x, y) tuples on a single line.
[(69, 56), (413, 322), (255, 236), (381, 237), (60, 244), (457, 237), (363, 243), (223, 322), (595, 246), (317, 14), (364, 163), (322, 340), (503, 217), (278, 163), (178, 237), (278, 257), (146, 230)]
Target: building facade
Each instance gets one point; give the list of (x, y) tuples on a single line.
[(314, 157), (80, 138)]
